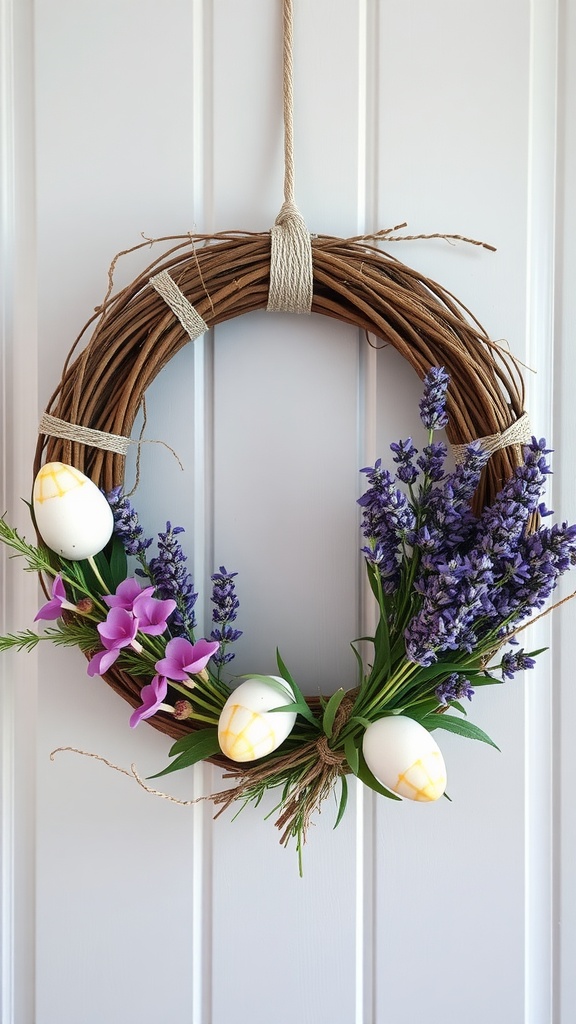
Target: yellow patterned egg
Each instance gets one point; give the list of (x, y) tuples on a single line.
[(248, 729), (405, 758), (72, 515)]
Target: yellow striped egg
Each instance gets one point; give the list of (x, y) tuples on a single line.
[(405, 758), (72, 515), (248, 729)]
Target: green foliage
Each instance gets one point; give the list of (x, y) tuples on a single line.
[(458, 725), (190, 750)]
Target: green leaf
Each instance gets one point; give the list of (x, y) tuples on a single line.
[(459, 707), (420, 711), (459, 726), (352, 754), (364, 722), (331, 709), (190, 741), (382, 649), (365, 776), (94, 584), (487, 680), (118, 562), (283, 670), (447, 668), (360, 664), (271, 682), (343, 801), (203, 743)]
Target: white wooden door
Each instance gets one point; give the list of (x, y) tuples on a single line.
[(130, 117)]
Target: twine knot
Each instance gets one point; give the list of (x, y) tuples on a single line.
[(327, 756)]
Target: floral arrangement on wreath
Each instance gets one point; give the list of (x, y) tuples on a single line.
[(452, 590)]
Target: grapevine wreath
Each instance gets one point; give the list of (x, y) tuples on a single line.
[(456, 560)]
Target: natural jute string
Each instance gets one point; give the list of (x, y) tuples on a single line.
[(190, 319), (518, 432), (52, 426), (291, 278)]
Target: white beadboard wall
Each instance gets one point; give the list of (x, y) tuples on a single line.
[(131, 117)]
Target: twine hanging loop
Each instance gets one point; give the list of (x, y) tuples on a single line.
[(291, 277)]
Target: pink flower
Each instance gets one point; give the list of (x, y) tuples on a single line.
[(118, 631), (127, 593), (184, 659), (152, 614), (53, 608), (152, 696)]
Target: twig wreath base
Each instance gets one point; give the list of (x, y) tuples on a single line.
[(226, 275)]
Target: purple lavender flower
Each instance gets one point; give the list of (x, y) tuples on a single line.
[(126, 524), (387, 520), (515, 662), (455, 596), (404, 456), (432, 460), (225, 610), (454, 687), (449, 522), (433, 401), (530, 573), (151, 696), (502, 524), (173, 581)]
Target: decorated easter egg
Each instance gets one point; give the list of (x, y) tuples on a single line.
[(72, 515), (405, 758), (248, 729)]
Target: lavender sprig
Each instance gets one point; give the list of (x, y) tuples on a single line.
[(433, 402), (225, 609), (169, 573), (127, 525), (454, 687), (387, 520)]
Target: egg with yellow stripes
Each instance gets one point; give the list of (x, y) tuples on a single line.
[(248, 726), (72, 515), (405, 758)]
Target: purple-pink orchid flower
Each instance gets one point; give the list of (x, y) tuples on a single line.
[(117, 631), (132, 610), (53, 608), (127, 593), (152, 613), (152, 696), (184, 659)]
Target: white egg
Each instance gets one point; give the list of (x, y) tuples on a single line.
[(72, 515), (405, 758), (247, 730)]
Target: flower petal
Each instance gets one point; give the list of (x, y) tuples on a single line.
[(126, 593), (152, 614), (53, 609), (101, 662), (152, 696)]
